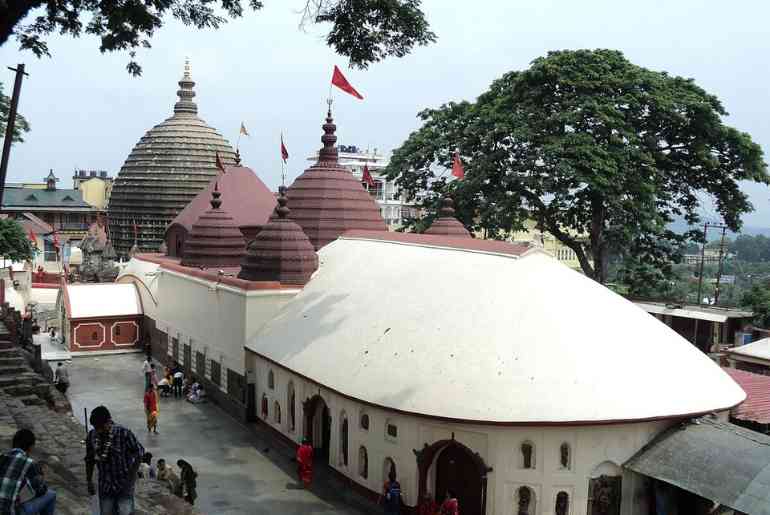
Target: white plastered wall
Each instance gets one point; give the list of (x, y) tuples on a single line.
[(593, 449)]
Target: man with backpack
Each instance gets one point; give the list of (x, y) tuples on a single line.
[(22, 485), (391, 494)]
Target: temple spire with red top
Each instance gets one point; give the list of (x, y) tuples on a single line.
[(327, 200), (446, 224)]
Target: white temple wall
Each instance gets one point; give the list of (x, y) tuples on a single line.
[(145, 275), (593, 450)]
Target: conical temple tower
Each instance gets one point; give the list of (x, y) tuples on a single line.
[(326, 200), (446, 224), (215, 240), (171, 163), (281, 251)]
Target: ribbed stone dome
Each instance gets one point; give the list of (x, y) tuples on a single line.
[(326, 200), (280, 252), (446, 224), (215, 240), (171, 164)]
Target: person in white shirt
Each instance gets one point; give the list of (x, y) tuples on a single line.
[(61, 378), (147, 370)]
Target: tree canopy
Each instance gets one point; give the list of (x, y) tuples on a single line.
[(21, 125), (365, 31), (14, 244), (601, 153), (758, 300)]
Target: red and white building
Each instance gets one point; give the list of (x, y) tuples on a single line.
[(100, 317)]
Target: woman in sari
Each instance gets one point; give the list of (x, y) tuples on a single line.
[(187, 480), (151, 409), (305, 462)]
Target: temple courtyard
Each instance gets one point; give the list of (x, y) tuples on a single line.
[(239, 469)]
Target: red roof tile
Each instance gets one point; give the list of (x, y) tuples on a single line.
[(756, 407)]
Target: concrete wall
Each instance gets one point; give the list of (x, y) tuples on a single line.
[(106, 334), (594, 450)]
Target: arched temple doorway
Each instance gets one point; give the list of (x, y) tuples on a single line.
[(318, 424), (457, 468)]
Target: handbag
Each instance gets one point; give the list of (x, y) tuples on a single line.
[(26, 493)]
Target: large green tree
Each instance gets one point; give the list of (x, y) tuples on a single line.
[(14, 244), (602, 153), (20, 127), (365, 31)]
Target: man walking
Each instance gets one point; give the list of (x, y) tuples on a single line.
[(22, 487), (117, 454), (61, 378)]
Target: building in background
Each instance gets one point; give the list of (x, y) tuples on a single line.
[(393, 206), (95, 185), (64, 210)]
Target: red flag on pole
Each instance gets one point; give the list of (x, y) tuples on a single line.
[(341, 82), (367, 177), (32, 237), (284, 152), (220, 164), (457, 166)]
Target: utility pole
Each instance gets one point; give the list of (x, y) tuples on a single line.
[(719, 270), (10, 125), (702, 257)]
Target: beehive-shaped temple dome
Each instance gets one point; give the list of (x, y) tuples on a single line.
[(326, 200), (281, 251), (215, 240), (446, 224), (169, 166)]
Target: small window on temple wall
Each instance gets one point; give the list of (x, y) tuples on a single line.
[(562, 503), (527, 455), (94, 336), (363, 463), (565, 456), (391, 430), (264, 406), (117, 330), (271, 380), (364, 421), (276, 412)]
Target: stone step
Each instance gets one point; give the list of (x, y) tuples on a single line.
[(29, 378), (6, 345), (32, 400), (11, 360), (8, 370)]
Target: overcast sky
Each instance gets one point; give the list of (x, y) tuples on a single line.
[(86, 112)]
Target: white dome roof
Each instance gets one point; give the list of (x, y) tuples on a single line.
[(482, 337)]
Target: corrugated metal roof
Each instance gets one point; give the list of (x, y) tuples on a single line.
[(756, 407), (103, 300), (39, 198), (719, 461), (709, 313), (759, 349)]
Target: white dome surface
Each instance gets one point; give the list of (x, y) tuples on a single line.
[(481, 337)]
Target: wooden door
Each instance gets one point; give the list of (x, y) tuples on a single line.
[(456, 471)]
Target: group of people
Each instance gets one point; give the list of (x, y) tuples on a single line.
[(450, 506), (182, 485), (173, 382)]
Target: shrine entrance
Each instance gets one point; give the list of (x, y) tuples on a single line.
[(455, 467), (318, 424)]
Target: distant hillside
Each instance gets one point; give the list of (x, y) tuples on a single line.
[(714, 234)]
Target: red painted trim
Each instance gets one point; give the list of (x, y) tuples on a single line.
[(168, 263), (435, 240), (116, 318), (495, 422), (47, 286)]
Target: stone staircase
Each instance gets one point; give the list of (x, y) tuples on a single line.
[(20, 381)]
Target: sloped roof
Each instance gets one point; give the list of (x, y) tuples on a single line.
[(759, 349), (18, 198), (756, 407), (102, 300), (719, 461), (248, 200), (474, 335)]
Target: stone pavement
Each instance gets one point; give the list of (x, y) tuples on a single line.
[(240, 471)]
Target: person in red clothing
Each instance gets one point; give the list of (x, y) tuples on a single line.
[(305, 462), (151, 409), (450, 506)]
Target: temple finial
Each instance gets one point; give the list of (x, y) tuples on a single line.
[(216, 202), (282, 209), (329, 151), (185, 92)]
